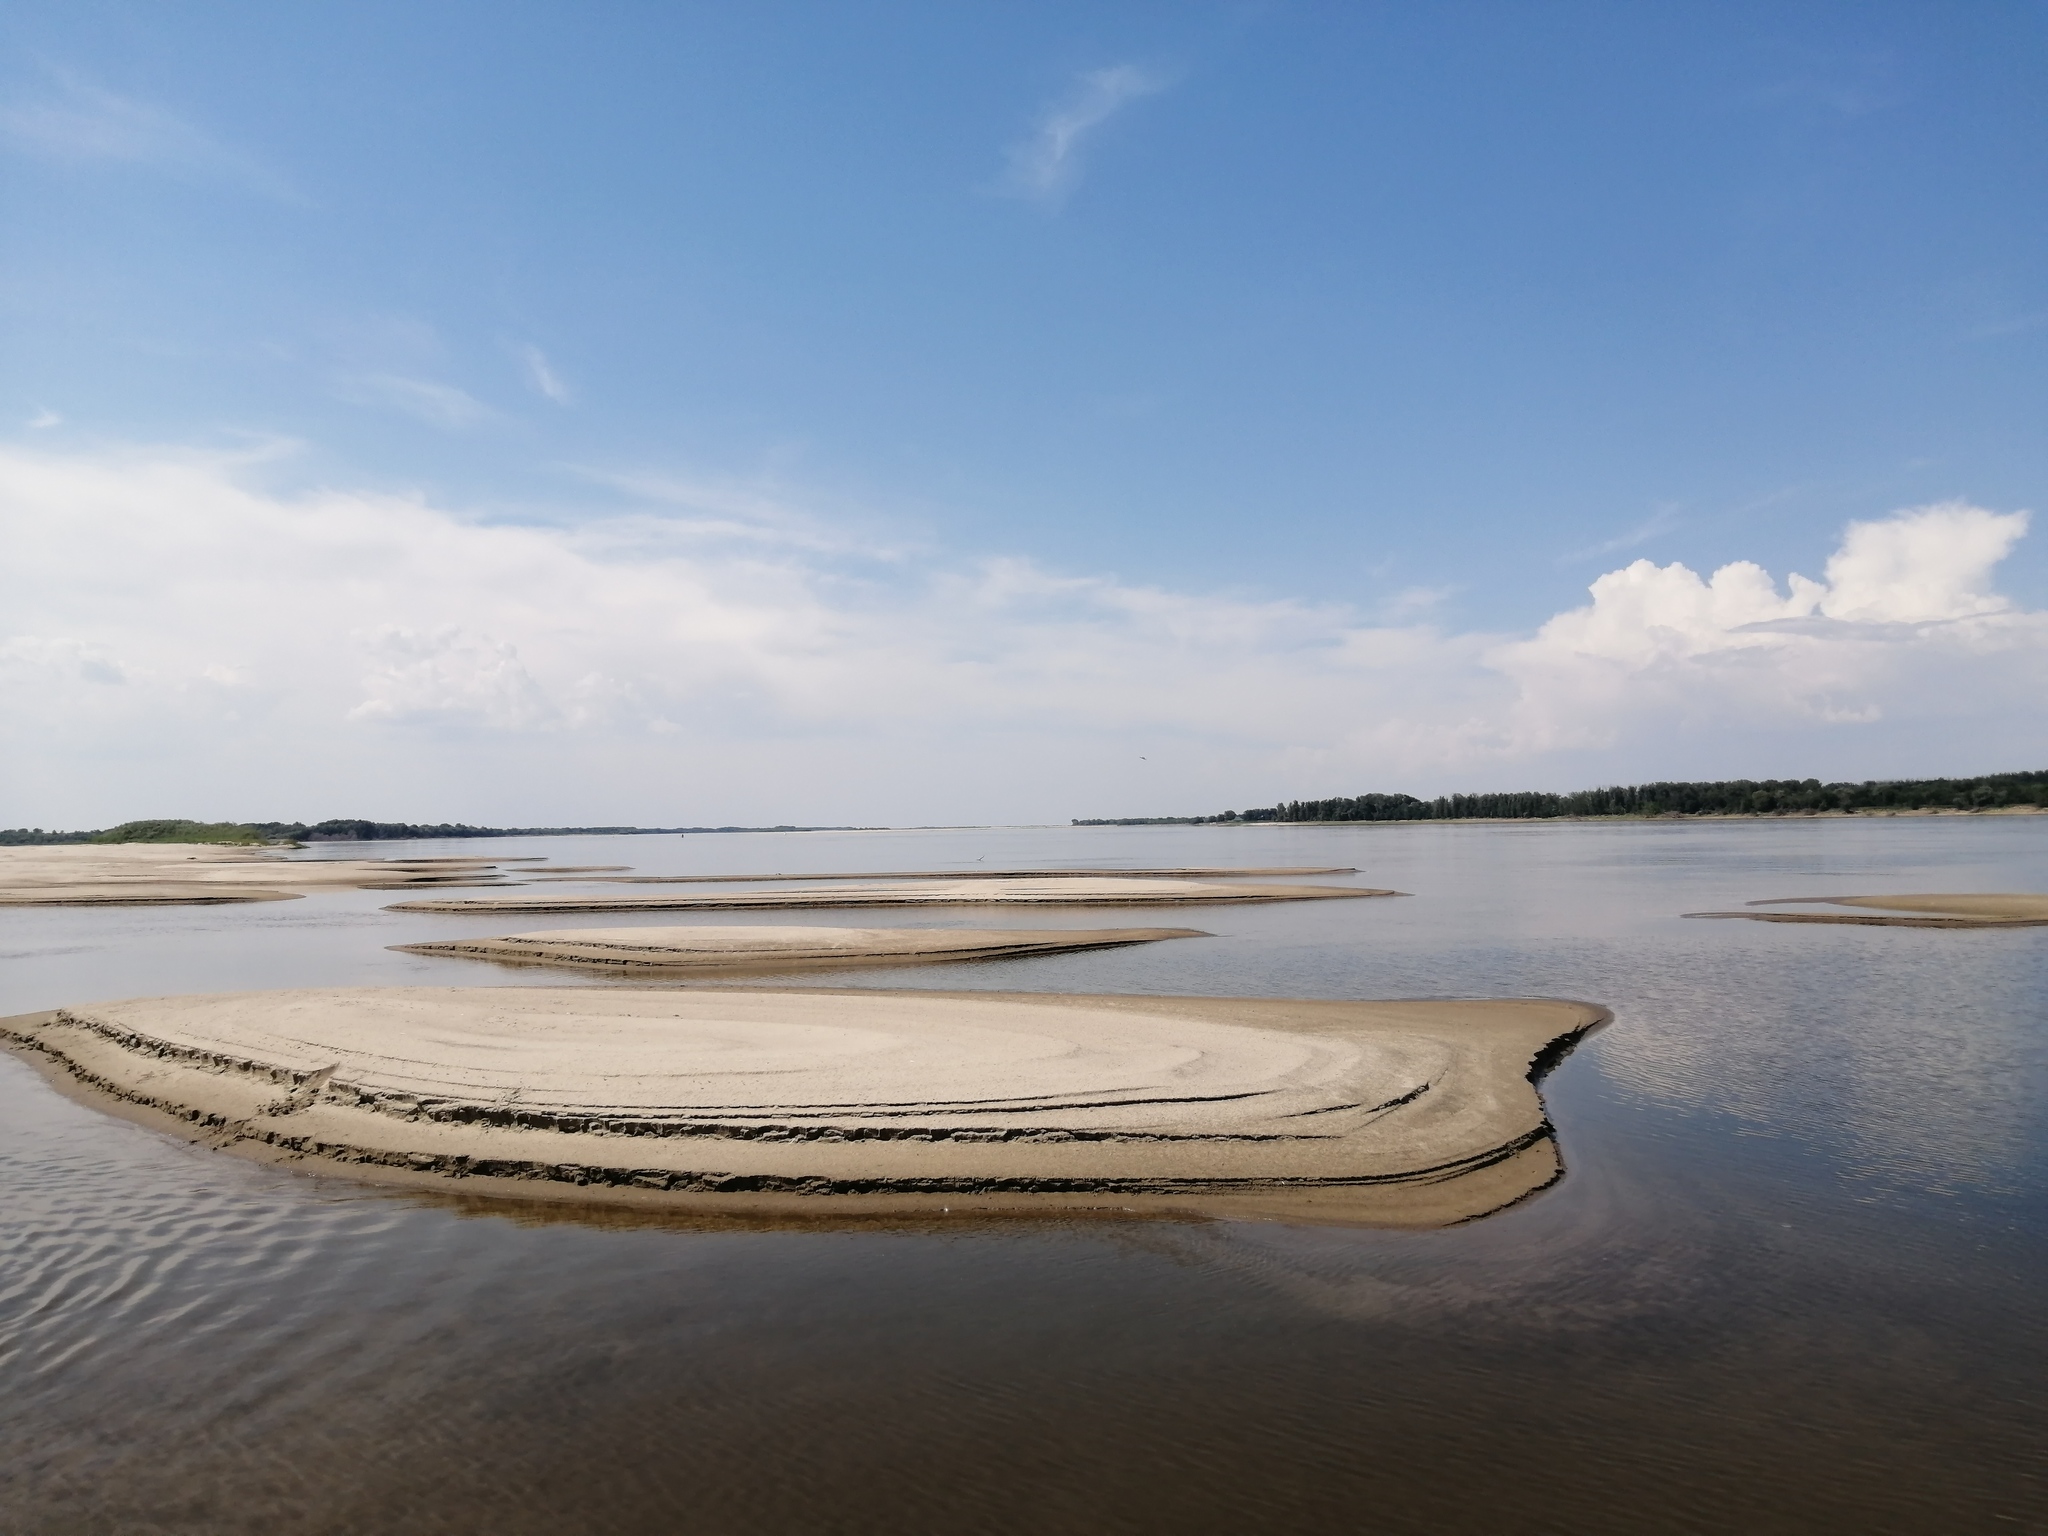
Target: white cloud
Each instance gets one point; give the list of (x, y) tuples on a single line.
[(76, 122), (1046, 165), (1905, 601), (1931, 567), (61, 657), (357, 653), (540, 373), (429, 400), (450, 676)]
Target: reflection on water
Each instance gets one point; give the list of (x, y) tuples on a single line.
[(1789, 1282)]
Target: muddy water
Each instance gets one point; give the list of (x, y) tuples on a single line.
[(1791, 1281)]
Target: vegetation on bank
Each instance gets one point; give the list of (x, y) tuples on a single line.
[(337, 831), (177, 830), (394, 831), (344, 830), (1731, 797), (168, 830)]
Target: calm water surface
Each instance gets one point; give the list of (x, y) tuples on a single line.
[(1792, 1281)]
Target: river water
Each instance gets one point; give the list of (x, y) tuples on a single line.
[(1792, 1280)]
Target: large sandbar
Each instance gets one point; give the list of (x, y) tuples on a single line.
[(1407, 1113), (2009, 909), (1058, 891), (1220, 872), (206, 874), (635, 950)]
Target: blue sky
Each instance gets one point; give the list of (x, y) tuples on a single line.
[(1402, 318)]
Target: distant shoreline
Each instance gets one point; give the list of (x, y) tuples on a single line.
[(1872, 814)]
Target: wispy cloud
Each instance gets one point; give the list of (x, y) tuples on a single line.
[(1665, 518), (1045, 166), (428, 400), (77, 122), (724, 510), (540, 373), (1412, 605), (44, 419), (2013, 325), (1848, 85)]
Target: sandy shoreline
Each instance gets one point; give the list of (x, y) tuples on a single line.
[(1400, 1113)]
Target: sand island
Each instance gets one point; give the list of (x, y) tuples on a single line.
[(1057, 891), (1230, 872), (209, 874), (2011, 909), (760, 948), (1391, 1113)]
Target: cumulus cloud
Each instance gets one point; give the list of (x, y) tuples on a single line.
[(1045, 166), (1931, 567), (1904, 600), (176, 628)]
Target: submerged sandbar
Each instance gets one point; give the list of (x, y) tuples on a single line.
[(1402, 1113), (2008, 909), (621, 950), (1059, 891)]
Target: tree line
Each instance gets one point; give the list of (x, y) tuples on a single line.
[(338, 830), (1727, 797)]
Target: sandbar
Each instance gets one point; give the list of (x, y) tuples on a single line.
[(637, 950), (2008, 909), (206, 874), (1219, 873), (1058, 891), (1385, 1113)]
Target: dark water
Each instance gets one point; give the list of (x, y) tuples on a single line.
[(1793, 1280)]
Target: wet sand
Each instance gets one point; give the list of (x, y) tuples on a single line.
[(2010, 909), (697, 950), (1383, 1113), (1047, 892)]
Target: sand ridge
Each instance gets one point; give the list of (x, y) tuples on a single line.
[(2010, 909), (1375, 1109), (1054, 891), (760, 948)]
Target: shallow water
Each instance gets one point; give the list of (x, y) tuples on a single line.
[(1790, 1282)]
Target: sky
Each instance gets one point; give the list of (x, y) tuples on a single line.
[(932, 413)]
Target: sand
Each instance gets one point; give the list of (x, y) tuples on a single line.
[(206, 874), (1401, 1113), (677, 950), (2010, 909), (1220, 873), (1052, 892)]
